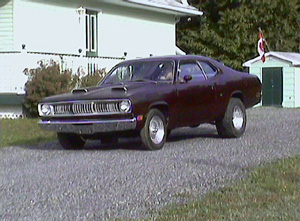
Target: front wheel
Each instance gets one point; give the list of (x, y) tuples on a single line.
[(154, 132), (70, 141), (233, 124)]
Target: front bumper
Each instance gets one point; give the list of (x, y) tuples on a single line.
[(88, 126)]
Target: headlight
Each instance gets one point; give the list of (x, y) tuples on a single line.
[(45, 109), (125, 106)]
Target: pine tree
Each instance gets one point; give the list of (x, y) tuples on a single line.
[(229, 30)]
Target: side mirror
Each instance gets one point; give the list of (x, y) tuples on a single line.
[(187, 78)]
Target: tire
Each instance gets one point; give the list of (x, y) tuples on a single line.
[(233, 124), (70, 141), (154, 132)]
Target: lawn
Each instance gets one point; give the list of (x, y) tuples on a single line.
[(271, 192), (22, 132)]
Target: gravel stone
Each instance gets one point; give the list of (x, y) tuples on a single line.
[(45, 182)]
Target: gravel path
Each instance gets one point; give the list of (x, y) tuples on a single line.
[(45, 182)]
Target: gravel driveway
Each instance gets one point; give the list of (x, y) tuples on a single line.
[(45, 182)]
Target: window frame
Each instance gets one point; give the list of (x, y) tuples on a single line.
[(211, 65), (189, 62), (91, 35)]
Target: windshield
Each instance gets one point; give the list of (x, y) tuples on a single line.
[(141, 71)]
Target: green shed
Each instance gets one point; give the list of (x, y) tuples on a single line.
[(280, 77)]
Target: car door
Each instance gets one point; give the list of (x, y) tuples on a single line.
[(196, 94)]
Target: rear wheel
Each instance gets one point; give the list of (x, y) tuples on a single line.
[(70, 141), (233, 124), (154, 132)]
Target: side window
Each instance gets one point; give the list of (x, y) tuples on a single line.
[(209, 70), (164, 72), (192, 69)]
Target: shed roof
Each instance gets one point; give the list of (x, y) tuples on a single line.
[(177, 6), (292, 57)]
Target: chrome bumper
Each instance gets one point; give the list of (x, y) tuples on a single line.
[(88, 126)]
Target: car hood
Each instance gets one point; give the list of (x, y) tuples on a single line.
[(115, 91)]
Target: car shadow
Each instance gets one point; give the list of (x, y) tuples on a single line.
[(177, 135), (91, 145), (123, 144), (192, 133)]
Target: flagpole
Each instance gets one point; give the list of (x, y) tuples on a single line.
[(259, 29)]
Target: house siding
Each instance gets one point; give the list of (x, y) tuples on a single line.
[(138, 33), (11, 111), (43, 26), (6, 26), (297, 86), (288, 87), (258, 72)]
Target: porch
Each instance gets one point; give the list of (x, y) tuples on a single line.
[(14, 65)]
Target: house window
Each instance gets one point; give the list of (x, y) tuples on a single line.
[(91, 30)]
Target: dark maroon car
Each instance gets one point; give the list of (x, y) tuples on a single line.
[(151, 97)]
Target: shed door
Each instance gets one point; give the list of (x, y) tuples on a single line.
[(272, 90)]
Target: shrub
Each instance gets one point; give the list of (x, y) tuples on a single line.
[(45, 81), (92, 79), (48, 80)]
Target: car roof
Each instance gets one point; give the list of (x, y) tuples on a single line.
[(171, 57)]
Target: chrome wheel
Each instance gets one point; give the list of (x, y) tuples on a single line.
[(234, 122), (238, 118), (156, 130)]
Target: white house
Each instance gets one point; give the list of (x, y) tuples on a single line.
[(81, 35), (280, 77)]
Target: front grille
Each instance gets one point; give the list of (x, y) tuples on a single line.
[(87, 108)]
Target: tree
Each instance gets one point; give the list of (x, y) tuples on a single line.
[(230, 31)]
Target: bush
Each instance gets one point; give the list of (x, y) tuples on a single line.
[(48, 80), (92, 79)]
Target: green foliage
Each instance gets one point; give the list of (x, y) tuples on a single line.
[(48, 80), (269, 193), (229, 29), (45, 81), (23, 132), (92, 79)]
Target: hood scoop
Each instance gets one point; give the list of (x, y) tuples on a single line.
[(120, 88), (79, 90)]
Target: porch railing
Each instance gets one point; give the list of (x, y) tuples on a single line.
[(13, 64)]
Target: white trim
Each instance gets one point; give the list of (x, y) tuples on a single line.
[(275, 54), (87, 32), (94, 29), (178, 51), (187, 11)]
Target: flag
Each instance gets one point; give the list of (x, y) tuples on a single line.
[(260, 47)]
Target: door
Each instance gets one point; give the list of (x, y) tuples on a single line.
[(196, 96), (272, 87)]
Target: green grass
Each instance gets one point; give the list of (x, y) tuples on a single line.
[(23, 132), (269, 193)]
